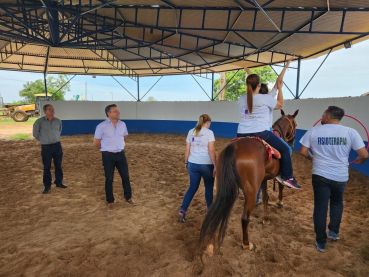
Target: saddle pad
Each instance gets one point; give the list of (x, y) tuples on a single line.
[(276, 133), (272, 152)]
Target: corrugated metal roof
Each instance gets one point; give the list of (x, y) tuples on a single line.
[(143, 35)]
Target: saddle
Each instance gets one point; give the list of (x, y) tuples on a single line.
[(272, 152)]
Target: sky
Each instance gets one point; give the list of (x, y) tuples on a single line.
[(344, 73)]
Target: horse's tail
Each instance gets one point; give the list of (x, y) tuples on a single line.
[(228, 184)]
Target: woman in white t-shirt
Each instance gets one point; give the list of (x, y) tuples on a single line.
[(273, 92), (200, 160), (254, 109)]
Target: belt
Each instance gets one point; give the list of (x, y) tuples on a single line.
[(52, 144), (111, 153)]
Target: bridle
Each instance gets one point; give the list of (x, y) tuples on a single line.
[(290, 135)]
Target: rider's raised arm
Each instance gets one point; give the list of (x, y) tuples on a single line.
[(280, 99), (281, 75), (246, 69)]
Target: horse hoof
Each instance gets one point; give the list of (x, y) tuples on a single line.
[(249, 247), (279, 204), (205, 258), (210, 250), (266, 222)]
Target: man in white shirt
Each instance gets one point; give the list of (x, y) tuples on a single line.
[(110, 140), (331, 144)]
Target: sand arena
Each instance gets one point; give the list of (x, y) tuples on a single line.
[(70, 233)]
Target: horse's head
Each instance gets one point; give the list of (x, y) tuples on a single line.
[(286, 126)]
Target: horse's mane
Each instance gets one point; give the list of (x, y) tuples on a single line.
[(278, 120)]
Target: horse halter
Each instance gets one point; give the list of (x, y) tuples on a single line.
[(289, 136)]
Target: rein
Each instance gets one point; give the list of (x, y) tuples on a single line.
[(289, 136)]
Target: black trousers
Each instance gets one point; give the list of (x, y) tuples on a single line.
[(48, 153), (327, 191), (110, 162)]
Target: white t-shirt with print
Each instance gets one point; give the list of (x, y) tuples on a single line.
[(258, 121), (199, 151), (331, 144)]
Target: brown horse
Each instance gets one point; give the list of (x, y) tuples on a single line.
[(242, 164), (285, 128)]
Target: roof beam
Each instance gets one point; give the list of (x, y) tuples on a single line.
[(149, 43), (108, 5), (266, 15), (171, 28), (135, 23), (10, 49), (20, 20), (239, 4), (274, 44), (53, 22), (267, 3), (160, 42), (115, 63)]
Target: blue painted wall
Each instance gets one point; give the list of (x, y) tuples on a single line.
[(220, 129)]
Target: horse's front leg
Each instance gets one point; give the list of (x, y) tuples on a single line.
[(280, 195), (265, 202), (249, 206)]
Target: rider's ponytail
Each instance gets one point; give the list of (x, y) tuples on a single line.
[(202, 120), (252, 81)]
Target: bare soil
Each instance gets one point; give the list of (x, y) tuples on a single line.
[(69, 232), (7, 131)]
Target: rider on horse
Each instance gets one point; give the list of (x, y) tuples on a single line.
[(255, 111)]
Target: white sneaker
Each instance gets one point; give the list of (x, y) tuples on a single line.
[(258, 203), (279, 178)]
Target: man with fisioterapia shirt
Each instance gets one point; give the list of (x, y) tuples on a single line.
[(331, 144)]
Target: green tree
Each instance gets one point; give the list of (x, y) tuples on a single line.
[(151, 99), (237, 86), (53, 84), (19, 102)]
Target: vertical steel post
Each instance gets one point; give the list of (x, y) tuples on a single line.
[(138, 88), (212, 86), (45, 83), (45, 70), (298, 78)]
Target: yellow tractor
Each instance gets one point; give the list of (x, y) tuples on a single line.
[(23, 112)]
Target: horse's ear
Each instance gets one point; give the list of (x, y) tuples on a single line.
[(282, 112), (296, 112)]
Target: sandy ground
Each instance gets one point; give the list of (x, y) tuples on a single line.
[(7, 131), (69, 232)]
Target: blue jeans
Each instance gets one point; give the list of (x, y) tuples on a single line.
[(326, 190), (281, 146), (197, 171), (290, 148), (49, 153), (110, 162), (258, 195)]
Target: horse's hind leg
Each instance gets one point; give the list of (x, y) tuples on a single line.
[(247, 210), (210, 247), (280, 195), (265, 202)]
